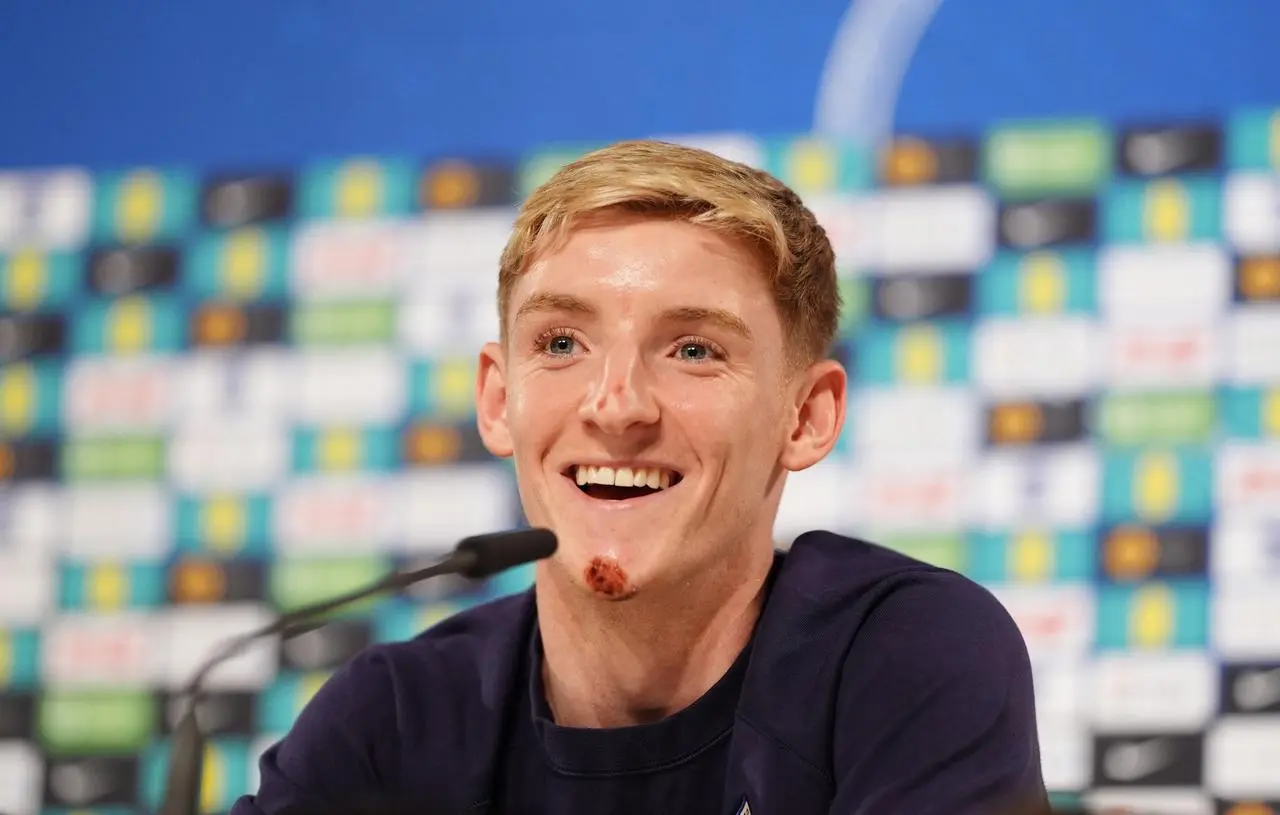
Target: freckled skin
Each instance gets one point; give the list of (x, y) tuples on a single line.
[(606, 577)]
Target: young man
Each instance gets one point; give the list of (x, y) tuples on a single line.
[(666, 317)]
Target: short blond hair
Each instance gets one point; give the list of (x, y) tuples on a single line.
[(664, 180)]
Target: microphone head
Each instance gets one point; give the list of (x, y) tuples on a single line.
[(499, 551)]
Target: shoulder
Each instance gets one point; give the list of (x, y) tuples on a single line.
[(825, 572), (397, 699), (932, 697), (470, 653), (940, 624), (855, 617), (898, 606), (823, 564), (884, 631)]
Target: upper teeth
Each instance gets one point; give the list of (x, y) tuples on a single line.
[(652, 477)]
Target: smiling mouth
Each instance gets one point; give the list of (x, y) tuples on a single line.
[(621, 483)]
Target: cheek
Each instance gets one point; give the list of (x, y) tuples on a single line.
[(710, 402), (730, 427), (699, 399), (537, 406), (761, 435)]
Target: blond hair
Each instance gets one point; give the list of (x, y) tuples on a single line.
[(665, 180)]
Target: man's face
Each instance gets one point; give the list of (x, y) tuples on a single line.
[(644, 393)]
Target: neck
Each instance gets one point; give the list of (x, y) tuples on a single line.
[(618, 663)]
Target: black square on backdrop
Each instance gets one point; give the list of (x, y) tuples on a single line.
[(1250, 688), (1157, 151), (118, 271), (903, 298), (326, 647), (1148, 760), (1047, 222), (220, 713), (31, 335), (17, 715), (91, 781), (230, 201)]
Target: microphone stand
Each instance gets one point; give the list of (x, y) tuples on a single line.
[(476, 557)]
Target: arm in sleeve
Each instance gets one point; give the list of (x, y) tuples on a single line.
[(936, 711), (340, 747)]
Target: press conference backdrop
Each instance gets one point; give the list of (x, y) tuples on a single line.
[(224, 395)]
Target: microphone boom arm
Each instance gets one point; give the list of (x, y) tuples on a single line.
[(456, 562), (475, 557)]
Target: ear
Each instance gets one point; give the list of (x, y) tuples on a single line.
[(820, 408), (491, 401)]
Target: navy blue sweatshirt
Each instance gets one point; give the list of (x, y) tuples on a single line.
[(873, 684)]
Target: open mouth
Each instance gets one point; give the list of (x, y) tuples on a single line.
[(622, 483)]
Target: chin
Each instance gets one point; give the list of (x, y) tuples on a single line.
[(606, 579), (612, 569)]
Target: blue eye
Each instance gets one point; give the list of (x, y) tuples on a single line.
[(560, 345), (695, 351)]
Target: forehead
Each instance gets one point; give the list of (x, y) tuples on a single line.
[(635, 262)]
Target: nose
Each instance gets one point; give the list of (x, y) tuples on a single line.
[(620, 395)]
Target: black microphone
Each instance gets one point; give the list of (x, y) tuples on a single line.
[(476, 557)]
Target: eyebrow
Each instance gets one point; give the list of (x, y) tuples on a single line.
[(562, 303), (569, 304), (725, 320)]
